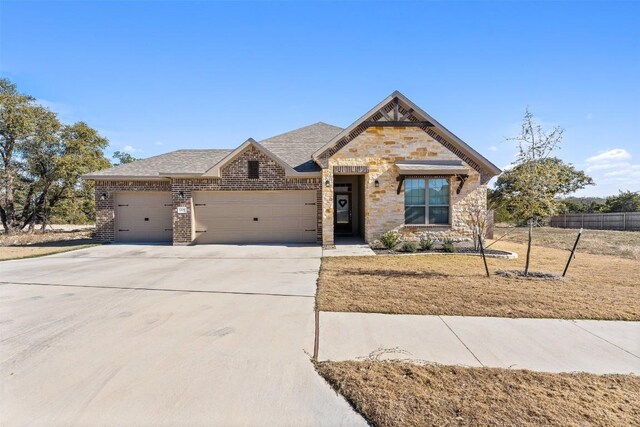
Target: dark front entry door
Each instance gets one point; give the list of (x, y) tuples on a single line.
[(343, 215)]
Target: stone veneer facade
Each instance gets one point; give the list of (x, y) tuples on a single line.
[(379, 148)]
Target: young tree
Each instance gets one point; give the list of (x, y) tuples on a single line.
[(476, 217), (553, 178), (530, 189)]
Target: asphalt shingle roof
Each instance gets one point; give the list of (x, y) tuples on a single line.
[(297, 146), (294, 148), (180, 161)]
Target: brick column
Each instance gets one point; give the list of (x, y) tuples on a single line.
[(105, 216), (182, 222)]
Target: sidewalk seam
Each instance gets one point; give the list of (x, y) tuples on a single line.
[(462, 342), (603, 339)]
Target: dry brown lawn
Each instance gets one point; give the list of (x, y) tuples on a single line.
[(28, 245), (624, 244), (402, 394), (597, 287)]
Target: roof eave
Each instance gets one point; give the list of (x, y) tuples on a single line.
[(93, 177)]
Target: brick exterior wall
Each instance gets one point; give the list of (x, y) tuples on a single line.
[(380, 148), (233, 178)]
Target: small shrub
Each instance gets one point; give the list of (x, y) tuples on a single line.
[(389, 239), (409, 247), (448, 246), (426, 243)]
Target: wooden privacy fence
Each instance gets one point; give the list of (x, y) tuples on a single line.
[(629, 221)]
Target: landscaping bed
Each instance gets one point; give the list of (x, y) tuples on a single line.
[(458, 250), (596, 287), (393, 394)]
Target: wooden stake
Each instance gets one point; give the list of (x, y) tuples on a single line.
[(526, 264), (575, 245), (484, 258)]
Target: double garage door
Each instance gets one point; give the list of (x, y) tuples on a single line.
[(220, 216), (255, 216)]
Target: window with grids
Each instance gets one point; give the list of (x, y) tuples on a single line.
[(254, 169), (426, 201)]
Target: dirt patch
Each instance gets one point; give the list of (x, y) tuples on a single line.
[(28, 245), (625, 244), (531, 275), (403, 394), (596, 287)]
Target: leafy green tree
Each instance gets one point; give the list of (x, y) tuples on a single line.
[(17, 124), (42, 162), (123, 157), (626, 201), (530, 189), (82, 153)]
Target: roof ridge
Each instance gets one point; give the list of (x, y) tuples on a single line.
[(201, 149), (301, 128)]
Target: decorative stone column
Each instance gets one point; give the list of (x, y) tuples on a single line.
[(327, 208)]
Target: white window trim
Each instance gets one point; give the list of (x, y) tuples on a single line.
[(426, 205)]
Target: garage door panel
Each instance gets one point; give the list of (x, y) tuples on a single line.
[(282, 216), (144, 217)]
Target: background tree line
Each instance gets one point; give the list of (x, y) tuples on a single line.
[(41, 163), (625, 201)]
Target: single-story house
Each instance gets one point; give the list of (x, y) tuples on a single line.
[(395, 168)]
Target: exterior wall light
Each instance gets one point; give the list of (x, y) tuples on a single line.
[(327, 183), (103, 196), (376, 183)]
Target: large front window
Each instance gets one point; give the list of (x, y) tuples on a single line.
[(426, 201)]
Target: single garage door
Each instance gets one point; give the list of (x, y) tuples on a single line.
[(144, 216), (255, 216)]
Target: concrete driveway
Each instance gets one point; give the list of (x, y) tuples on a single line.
[(153, 335)]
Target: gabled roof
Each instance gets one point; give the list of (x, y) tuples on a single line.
[(293, 149), (215, 170), (411, 113), (301, 151), (181, 162)]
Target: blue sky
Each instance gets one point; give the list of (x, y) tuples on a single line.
[(159, 76)]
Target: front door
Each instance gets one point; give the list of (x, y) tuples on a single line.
[(343, 215)]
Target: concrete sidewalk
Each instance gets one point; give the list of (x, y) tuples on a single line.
[(550, 345)]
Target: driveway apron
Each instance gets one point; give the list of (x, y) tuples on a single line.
[(160, 335)]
